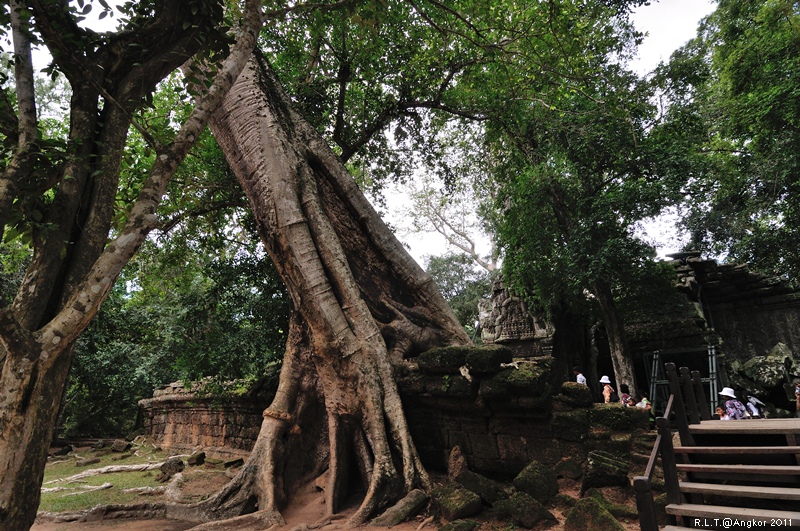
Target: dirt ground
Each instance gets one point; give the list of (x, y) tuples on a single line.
[(308, 507)]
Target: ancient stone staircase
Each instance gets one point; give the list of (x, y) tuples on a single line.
[(725, 474)]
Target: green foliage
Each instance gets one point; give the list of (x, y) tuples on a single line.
[(575, 183), (462, 285), (733, 98), (14, 259)]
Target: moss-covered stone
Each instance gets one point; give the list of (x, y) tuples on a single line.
[(563, 500), (589, 515), (452, 501), (487, 359), (618, 511), (571, 425), (531, 378), (443, 359), (575, 394), (569, 468), (611, 416), (453, 386), (638, 418), (604, 470), (523, 510), (496, 387), (490, 491), (767, 371), (538, 480), (615, 443), (460, 525)]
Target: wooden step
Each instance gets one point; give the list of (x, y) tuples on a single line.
[(742, 491), (713, 515), (780, 470), (738, 450), (759, 426)]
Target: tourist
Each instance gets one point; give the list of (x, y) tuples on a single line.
[(721, 414), (625, 394), (644, 403), (797, 399), (579, 377), (607, 389), (733, 408)]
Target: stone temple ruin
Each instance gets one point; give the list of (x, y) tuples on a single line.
[(505, 405)]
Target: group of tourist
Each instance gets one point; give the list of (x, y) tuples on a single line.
[(641, 400), (731, 409)]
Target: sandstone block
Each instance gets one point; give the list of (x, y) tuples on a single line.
[(452, 501), (538, 480)]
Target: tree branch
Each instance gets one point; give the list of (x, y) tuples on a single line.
[(94, 289)]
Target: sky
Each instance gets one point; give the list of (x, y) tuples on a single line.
[(668, 24)]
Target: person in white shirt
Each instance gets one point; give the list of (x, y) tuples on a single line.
[(579, 377)]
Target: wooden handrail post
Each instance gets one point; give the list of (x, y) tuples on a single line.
[(678, 406), (646, 507), (691, 401), (668, 463), (700, 395)]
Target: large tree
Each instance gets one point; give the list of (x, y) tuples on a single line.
[(732, 98), (61, 192), (360, 306)]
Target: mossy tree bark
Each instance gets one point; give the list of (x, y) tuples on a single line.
[(361, 306)]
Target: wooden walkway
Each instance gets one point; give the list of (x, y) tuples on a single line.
[(726, 474), (788, 427)]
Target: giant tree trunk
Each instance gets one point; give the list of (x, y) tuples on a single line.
[(361, 305)]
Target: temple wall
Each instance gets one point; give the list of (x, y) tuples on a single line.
[(501, 419)]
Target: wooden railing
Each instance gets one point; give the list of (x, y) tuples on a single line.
[(687, 403)]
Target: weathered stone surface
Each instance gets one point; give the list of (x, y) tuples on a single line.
[(569, 468), (575, 394), (496, 387), (443, 359), (452, 501), (604, 470), (611, 416), (618, 511), (589, 515), (456, 463), (487, 359), (489, 491), (172, 466), (120, 445), (538, 480), (523, 510), (196, 459), (531, 379), (571, 425), (764, 371), (408, 507)]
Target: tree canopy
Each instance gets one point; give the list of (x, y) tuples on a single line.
[(732, 105)]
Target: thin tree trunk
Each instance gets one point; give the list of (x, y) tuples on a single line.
[(361, 306), (621, 358), (61, 294)]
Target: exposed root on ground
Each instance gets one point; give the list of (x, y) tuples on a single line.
[(113, 469), (262, 519)]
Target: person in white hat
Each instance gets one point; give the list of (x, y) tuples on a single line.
[(733, 408), (607, 389)]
